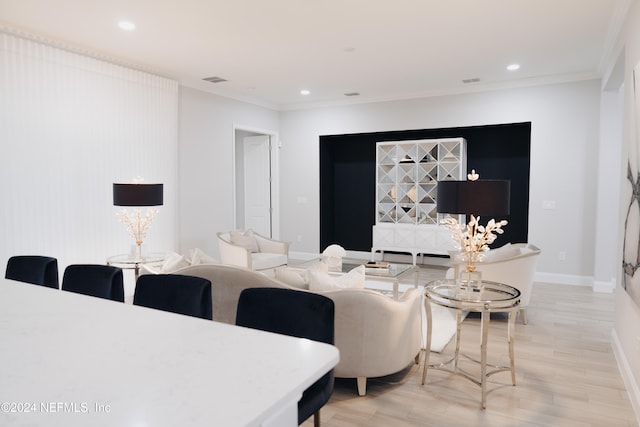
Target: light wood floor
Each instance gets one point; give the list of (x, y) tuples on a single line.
[(566, 374)]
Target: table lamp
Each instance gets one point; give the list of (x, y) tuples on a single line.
[(137, 195), (476, 198)]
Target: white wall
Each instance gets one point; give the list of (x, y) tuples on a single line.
[(564, 147), (206, 163), (626, 337)]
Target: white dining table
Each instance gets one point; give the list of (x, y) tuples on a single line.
[(72, 360)]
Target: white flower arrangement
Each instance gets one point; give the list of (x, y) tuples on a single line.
[(473, 238), (136, 224)]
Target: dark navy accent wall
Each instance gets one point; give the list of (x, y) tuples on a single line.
[(348, 171)]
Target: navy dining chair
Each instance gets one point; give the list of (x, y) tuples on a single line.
[(177, 293), (35, 269), (298, 314), (102, 281)]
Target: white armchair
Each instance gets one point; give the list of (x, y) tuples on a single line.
[(251, 250), (511, 264)]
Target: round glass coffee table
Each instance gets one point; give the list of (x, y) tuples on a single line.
[(492, 297)]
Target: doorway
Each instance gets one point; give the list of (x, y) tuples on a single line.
[(255, 187)]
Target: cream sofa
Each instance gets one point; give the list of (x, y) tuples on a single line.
[(511, 264), (252, 250), (376, 335)]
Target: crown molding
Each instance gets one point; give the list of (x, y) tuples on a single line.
[(472, 88)]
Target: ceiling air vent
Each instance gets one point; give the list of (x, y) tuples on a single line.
[(215, 79), (352, 94), (473, 80)]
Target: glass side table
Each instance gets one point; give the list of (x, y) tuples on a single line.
[(126, 261), (493, 298), (394, 274)]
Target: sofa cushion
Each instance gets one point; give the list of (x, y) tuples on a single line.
[(263, 261), (173, 262), (245, 239)]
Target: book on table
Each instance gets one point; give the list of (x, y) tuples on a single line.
[(377, 264)]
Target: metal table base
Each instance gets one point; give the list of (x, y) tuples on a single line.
[(509, 304)]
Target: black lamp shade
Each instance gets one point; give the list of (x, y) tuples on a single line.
[(480, 198), (137, 194)]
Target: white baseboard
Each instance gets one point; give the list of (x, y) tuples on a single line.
[(604, 287), (574, 280), (630, 382), (563, 279)]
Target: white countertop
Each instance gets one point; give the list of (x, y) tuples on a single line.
[(70, 360)]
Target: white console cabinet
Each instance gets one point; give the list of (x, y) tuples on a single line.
[(407, 175)]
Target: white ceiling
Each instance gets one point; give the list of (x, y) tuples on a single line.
[(271, 49)]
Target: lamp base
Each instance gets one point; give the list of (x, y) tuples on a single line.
[(136, 251), (469, 282)]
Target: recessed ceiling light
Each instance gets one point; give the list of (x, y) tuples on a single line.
[(304, 92), (513, 67), (126, 25)]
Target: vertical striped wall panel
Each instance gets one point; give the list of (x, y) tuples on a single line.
[(70, 126)]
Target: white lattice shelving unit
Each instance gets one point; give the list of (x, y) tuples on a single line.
[(407, 175)]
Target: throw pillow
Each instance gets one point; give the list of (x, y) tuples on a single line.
[(174, 262), (319, 282), (322, 281), (245, 239), (199, 257), (352, 280)]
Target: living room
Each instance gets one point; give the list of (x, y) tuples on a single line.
[(60, 202)]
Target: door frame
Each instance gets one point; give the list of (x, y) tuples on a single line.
[(275, 175)]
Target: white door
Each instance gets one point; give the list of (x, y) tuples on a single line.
[(257, 184)]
